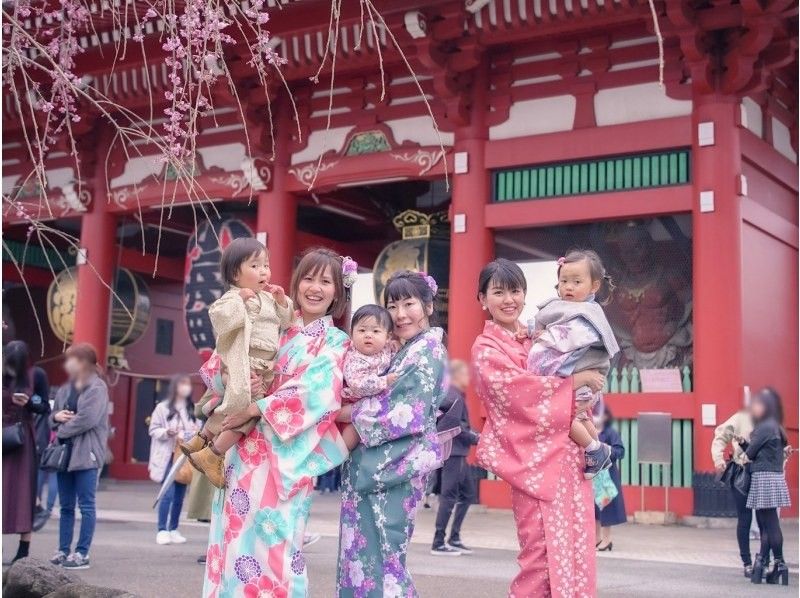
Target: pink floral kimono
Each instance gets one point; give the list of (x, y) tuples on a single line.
[(525, 442)]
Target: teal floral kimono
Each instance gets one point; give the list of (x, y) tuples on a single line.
[(384, 479), (256, 539)]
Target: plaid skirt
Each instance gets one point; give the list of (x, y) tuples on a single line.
[(768, 490)]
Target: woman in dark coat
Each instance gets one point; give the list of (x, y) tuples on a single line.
[(614, 513), (25, 393)]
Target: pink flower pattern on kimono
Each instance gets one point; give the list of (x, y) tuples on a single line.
[(232, 522), (253, 449), (264, 587), (286, 414), (214, 563)]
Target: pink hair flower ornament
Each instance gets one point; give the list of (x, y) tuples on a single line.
[(561, 261), (430, 281), (349, 271)]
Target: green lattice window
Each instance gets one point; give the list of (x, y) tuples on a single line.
[(679, 474), (34, 255), (621, 173)]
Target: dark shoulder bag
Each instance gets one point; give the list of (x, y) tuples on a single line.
[(13, 437), (14, 434), (55, 457)]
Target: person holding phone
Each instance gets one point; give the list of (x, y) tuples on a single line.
[(80, 420), (25, 392), (172, 420)]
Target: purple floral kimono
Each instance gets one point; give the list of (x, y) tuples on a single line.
[(384, 479)]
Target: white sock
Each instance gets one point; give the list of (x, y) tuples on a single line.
[(593, 446)]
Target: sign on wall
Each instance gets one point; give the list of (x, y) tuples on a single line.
[(203, 283)]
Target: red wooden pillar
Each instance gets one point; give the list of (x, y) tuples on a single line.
[(93, 299), (277, 208), (472, 249), (717, 268)]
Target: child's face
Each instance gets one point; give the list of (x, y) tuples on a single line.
[(369, 337), (254, 273), (575, 282)]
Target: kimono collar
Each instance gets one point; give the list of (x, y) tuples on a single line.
[(433, 332), (505, 337), (315, 328)]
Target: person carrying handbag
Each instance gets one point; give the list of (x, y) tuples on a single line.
[(173, 419), (739, 425), (765, 456), (25, 392), (80, 420)]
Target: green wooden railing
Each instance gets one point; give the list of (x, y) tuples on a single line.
[(679, 473), (627, 380), (640, 171), (36, 256)]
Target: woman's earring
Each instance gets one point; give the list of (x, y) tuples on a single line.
[(483, 307)]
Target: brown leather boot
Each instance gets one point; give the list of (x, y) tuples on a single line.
[(211, 464), (197, 443)]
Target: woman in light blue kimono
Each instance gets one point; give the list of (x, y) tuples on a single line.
[(384, 479), (258, 521)]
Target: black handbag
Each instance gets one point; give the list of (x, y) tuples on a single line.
[(55, 457), (741, 480), (13, 437)]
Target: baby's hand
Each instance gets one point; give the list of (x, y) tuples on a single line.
[(391, 378), (279, 294), (246, 294)]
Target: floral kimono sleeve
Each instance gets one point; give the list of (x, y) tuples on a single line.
[(402, 409), (528, 419), (309, 394)]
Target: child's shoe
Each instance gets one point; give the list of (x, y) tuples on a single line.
[(597, 460), (211, 464), (196, 443)]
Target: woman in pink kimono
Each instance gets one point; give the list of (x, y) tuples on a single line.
[(525, 441)]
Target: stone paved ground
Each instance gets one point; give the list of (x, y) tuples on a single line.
[(646, 561)]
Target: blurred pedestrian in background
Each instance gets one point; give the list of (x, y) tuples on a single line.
[(201, 491), (739, 425), (764, 455), (457, 482), (614, 512), (330, 481), (80, 420), (25, 393), (172, 420)]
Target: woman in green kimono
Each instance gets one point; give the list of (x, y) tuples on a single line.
[(384, 479)]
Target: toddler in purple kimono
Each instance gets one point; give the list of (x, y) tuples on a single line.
[(366, 361), (571, 334)]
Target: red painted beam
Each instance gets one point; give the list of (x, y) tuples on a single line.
[(583, 143), (169, 268), (33, 277), (587, 208), (767, 159), (768, 221)]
